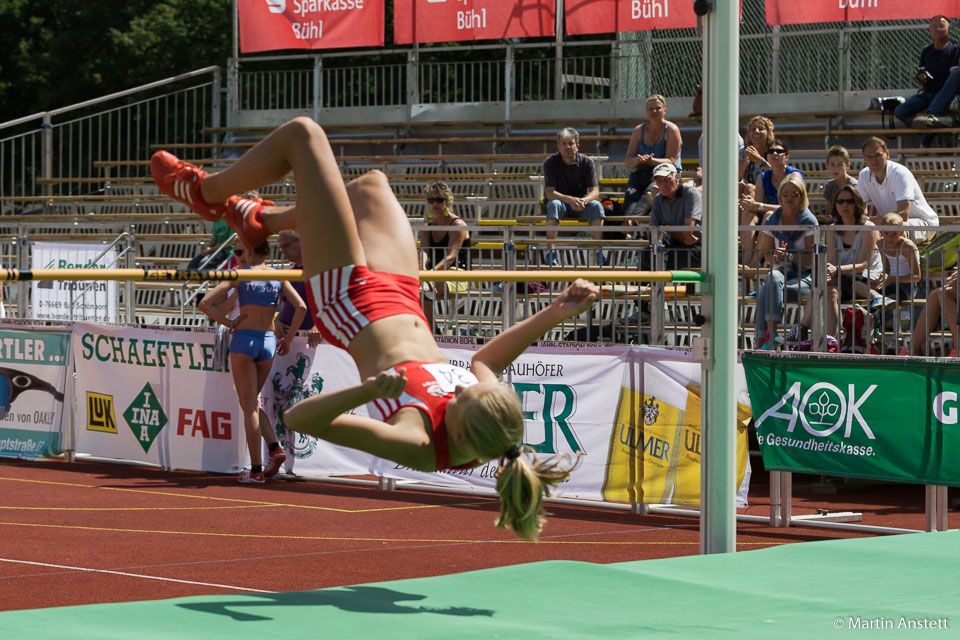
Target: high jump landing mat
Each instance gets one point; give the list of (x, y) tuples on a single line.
[(896, 586)]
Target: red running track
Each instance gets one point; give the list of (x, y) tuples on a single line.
[(83, 532)]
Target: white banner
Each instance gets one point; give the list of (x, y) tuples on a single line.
[(94, 301), (33, 372), (155, 397)]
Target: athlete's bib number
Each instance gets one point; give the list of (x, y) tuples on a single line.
[(450, 377)]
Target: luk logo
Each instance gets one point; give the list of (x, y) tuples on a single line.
[(277, 6), (100, 415), (823, 405)]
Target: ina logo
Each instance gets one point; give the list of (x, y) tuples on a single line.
[(823, 405), (145, 417), (651, 411), (100, 414), (277, 6)]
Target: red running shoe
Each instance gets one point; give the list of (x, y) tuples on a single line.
[(249, 477), (245, 216), (274, 462), (181, 181)]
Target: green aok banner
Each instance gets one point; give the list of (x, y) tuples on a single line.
[(885, 419)]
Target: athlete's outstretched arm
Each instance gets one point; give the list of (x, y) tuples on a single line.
[(493, 357), (326, 416)]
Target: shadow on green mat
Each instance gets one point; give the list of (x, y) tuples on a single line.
[(357, 599)]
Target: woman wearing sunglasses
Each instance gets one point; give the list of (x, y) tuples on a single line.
[(441, 250), (360, 262), (252, 348), (754, 208), (853, 263)]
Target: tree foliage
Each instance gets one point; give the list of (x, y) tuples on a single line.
[(60, 53)]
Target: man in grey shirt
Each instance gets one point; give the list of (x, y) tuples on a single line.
[(677, 205)]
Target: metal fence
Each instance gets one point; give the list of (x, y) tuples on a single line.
[(788, 60)]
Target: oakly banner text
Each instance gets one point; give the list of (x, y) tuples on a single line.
[(267, 25), (611, 16), (33, 373), (792, 12), (154, 396), (890, 419), (464, 20)]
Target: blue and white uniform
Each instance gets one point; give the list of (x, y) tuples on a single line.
[(259, 345)]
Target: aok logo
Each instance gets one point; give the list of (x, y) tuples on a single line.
[(100, 413), (945, 407), (823, 405), (193, 422)]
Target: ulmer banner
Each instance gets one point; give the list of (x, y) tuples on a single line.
[(464, 20), (266, 25), (880, 419), (792, 12)]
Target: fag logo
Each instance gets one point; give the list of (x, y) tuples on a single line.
[(100, 413), (277, 6), (823, 405)]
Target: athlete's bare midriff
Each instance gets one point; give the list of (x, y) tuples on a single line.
[(389, 341)]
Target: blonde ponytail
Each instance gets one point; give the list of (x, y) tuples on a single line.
[(522, 485)]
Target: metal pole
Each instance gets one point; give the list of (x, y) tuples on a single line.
[(721, 64)]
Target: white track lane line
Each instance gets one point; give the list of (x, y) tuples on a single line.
[(134, 575)]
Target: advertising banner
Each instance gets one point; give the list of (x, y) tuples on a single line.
[(611, 16), (93, 301), (154, 396), (890, 419), (267, 25), (462, 20), (656, 443), (791, 12), (33, 374)]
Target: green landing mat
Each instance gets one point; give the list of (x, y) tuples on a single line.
[(895, 587)]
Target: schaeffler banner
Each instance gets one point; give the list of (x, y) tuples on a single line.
[(460, 20), (610, 16), (792, 12), (266, 25), (155, 396), (893, 419)]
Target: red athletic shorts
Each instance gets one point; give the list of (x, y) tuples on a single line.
[(346, 299)]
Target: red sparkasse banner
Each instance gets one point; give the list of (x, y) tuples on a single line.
[(793, 12), (266, 25), (458, 20), (611, 16)]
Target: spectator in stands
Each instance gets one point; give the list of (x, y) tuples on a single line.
[(838, 164), (789, 255), (252, 348), (754, 160), (676, 205), (652, 143), (941, 307), (570, 187), (853, 263), (753, 209), (939, 78), (889, 187), (288, 241), (902, 257), (441, 250), (207, 258)]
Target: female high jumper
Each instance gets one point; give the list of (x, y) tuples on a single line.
[(360, 263)]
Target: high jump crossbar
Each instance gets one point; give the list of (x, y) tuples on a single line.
[(484, 275)]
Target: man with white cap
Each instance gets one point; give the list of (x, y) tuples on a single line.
[(677, 205)]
